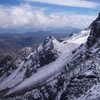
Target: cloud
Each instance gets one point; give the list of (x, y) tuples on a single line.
[(26, 16), (71, 3), (81, 21)]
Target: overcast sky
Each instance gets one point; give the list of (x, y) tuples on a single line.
[(45, 14)]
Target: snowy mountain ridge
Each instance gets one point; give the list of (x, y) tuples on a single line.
[(33, 61)]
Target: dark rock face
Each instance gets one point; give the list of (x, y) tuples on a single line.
[(48, 54), (91, 41), (9, 63), (95, 31), (95, 27), (44, 56), (6, 64)]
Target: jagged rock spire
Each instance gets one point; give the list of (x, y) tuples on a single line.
[(98, 16), (95, 31), (95, 27)]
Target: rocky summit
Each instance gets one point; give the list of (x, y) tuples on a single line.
[(95, 31)]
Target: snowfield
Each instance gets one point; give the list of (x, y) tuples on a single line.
[(42, 75)]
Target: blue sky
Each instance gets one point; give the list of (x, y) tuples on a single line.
[(45, 14)]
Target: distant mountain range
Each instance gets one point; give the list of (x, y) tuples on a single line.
[(14, 40), (60, 30)]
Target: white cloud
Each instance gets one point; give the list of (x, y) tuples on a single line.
[(26, 16), (81, 21), (72, 3)]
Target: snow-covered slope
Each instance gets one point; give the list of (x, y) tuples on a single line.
[(11, 61), (84, 75), (77, 38), (48, 59)]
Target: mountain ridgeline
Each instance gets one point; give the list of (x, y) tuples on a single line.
[(56, 70)]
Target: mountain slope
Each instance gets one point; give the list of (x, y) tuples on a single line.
[(47, 60), (85, 78)]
